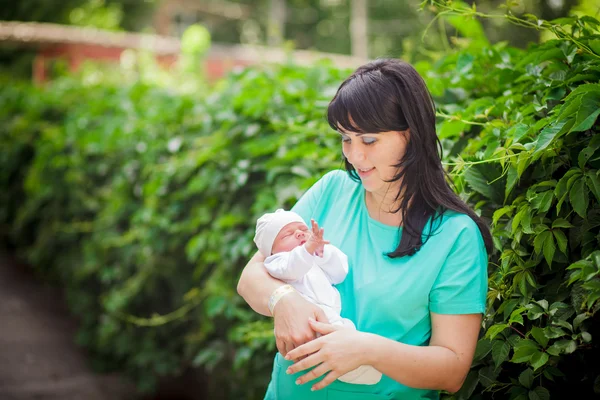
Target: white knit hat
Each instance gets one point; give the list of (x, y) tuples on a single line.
[(268, 227)]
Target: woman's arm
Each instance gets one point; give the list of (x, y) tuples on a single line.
[(444, 364), (291, 312), (256, 285)]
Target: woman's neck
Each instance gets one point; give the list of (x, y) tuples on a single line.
[(381, 208)]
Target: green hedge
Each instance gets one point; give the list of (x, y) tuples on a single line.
[(142, 203), (521, 128)]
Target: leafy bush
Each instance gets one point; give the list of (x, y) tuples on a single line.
[(520, 127), (143, 202)]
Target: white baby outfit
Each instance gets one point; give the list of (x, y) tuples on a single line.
[(312, 276)]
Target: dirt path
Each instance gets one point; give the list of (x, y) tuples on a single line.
[(39, 359)]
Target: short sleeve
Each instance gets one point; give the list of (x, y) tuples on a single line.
[(308, 204), (461, 285)]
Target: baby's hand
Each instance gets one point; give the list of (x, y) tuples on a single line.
[(316, 243)]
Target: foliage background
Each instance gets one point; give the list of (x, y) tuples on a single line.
[(140, 200)]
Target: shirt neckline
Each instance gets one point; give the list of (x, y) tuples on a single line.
[(371, 220)]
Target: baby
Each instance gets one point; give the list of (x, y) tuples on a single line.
[(312, 266)]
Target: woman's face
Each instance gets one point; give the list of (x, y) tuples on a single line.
[(373, 156)]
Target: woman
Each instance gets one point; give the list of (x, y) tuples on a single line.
[(417, 282)]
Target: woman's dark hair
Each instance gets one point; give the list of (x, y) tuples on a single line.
[(390, 95)]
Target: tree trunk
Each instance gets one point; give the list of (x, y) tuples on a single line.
[(358, 28), (276, 23)]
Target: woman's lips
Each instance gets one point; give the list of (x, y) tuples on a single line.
[(364, 174)]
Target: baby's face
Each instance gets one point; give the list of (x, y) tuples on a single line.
[(290, 236)]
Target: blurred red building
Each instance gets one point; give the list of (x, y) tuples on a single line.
[(77, 44)]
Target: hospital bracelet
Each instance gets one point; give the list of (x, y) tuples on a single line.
[(278, 294)]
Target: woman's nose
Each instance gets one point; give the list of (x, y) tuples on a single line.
[(355, 154)]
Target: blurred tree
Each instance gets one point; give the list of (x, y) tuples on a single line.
[(497, 30), (106, 14), (133, 15), (36, 10), (276, 22)]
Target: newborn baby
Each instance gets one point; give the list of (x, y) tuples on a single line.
[(302, 258)]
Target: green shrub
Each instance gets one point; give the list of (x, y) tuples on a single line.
[(521, 130), (142, 202)]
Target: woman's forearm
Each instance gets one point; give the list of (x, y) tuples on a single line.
[(423, 367), (256, 285)]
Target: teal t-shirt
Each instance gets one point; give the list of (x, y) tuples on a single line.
[(389, 297)]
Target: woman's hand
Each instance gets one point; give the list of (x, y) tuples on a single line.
[(339, 350), (291, 314)]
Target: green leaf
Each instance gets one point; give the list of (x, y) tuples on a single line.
[(586, 115), (526, 220), (523, 162), (538, 360), (543, 303), (553, 332), (543, 201), (562, 188), (578, 196), (586, 337), (587, 89), (546, 137), (516, 317), (561, 223), (500, 350), (562, 346), (593, 182), (526, 378), (554, 350), (524, 350), (500, 212), (480, 178), (570, 107), (539, 241), (470, 28), (511, 179), (518, 218), (539, 336), (451, 129), (534, 312), (579, 319), (495, 330), (488, 375), (509, 306), (539, 393), (584, 156), (564, 324), (561, 239), (483, 348)]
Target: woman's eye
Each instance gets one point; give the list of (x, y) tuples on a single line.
[(345, 139), (369, 141)]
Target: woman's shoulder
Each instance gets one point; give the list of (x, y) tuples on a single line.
[(456, 223), (455, 229)]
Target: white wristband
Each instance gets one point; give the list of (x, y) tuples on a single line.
[(278, 294)]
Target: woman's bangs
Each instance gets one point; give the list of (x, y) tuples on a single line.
[(359, 107)]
